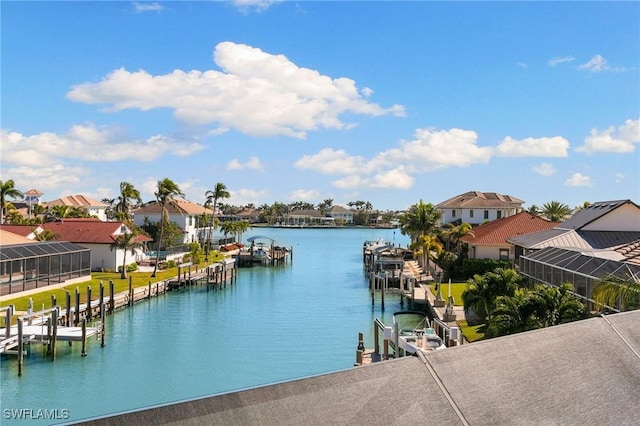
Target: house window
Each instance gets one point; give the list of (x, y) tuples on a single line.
[(499, 214), (486, 214), (123, 229), (453, 213), (470, 213), (504, 254)]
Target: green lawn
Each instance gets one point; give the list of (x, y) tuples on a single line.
[(456, 291), (138, 279)]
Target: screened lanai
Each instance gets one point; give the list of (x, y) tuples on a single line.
[(30, 266), (555, 266)]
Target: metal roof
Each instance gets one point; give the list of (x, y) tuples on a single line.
[(585, 263), (25, 251), (591, 213), (557, 237)]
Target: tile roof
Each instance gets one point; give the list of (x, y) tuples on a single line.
[(176, 206), (22, 230), (498, 231), (34, 192), (477, 199), (88, 231), (76, 201)]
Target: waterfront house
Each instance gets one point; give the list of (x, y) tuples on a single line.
[(88, 205), (100, 237), (340, 214), (303, 218), (187, 215), (490, 240), (598, 241), (475, 207)]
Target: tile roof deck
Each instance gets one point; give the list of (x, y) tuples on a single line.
[(76, 201), (477, 199), (174, 207), (87, 231)]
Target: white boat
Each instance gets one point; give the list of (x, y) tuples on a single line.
[(414, 333)]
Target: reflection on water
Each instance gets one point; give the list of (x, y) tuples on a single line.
[(274, 324)]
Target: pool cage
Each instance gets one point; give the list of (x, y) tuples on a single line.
[(30, 266), (555, 266)]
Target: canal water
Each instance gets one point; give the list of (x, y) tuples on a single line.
[(274, 324)]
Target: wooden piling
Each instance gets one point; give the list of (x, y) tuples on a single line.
[(67, 318), (103, 327), (7, 322), (376, 339), (111, 296), (84, 337), (20, 347), (53, 300), (77, 312), (54, 334), (89, 313), (101, 300), (130, 290), (149, 295)]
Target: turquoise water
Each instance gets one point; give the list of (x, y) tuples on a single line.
[(274, 324)]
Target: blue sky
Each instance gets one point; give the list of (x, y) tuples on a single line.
[(387, 102)]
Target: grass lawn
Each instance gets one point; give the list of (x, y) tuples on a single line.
[(471, 333), (456, 291), (138, 279)]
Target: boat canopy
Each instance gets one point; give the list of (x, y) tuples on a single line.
[(259, 237)]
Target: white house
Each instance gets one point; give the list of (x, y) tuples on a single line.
[(475, 207), (183, 213), (100, 237), (340, 213), (90, 206)]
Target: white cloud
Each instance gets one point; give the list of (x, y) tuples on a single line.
[(578, 179), (434, 149), (533, 147), (523, 65), (560, 60), (253, 164), (545, 169), (257, 93), (304, 195), (147, 7), (88, 143), (619, 177), (621, 140), (396, 178), (332, 162), (46, 176), (599, 64), (246, 6), (245, 196)]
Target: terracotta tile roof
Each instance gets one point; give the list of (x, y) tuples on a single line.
[(477, 199), (498, 231), (89, 231), (22, 230), (76, 201), (176, 206), (34, 192)]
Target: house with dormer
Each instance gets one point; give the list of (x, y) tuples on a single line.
[(600, 240), (185, 214), (340, 214), (88, 205), (490, 240), (475, 207)]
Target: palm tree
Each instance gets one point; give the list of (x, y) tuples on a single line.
[(512, 314), (534, 210), (425, 245), (47, 235), (64, 211), (218, 192), (455, 233), (555, 211), (126, 242), (325, 205), (483, 290), (7, 189), (420, 219), (167, 191), (557, 305), (123, 207), (617, 292)]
